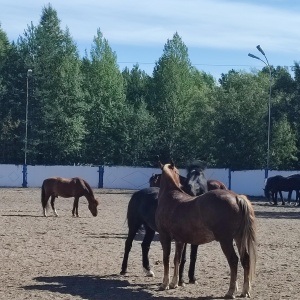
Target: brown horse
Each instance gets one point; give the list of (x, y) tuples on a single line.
[(219, 215), (213, 184), (66, 188)]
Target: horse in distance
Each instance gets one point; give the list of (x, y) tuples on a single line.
[(220, 215), (68, 187), (277, 184)]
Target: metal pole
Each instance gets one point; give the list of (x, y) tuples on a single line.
[(269, 103), (26, 123), (29, 71)]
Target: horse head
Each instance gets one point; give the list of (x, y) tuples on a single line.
[(154, 180), (196, 183), (93, 203), (170, 174)]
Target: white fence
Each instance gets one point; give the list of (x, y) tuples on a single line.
[(243, 182)]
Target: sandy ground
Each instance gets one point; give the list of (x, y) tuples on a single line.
[(80, 258)]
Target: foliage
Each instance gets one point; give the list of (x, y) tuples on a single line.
[(86, 111)]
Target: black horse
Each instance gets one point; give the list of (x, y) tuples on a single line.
[(141, 211), (277, 184)]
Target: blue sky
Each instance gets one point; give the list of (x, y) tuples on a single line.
[(218, 33)]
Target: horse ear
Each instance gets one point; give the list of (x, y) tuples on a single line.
[(172, 163)]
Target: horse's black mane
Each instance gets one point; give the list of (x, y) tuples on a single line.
[(196, 165)]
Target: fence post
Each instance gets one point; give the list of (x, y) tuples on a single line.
[(24, 184), (101, 173), (229, 178)]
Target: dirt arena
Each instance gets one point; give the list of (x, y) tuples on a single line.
[(80, 258)]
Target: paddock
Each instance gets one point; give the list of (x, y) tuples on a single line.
[(80, 258)]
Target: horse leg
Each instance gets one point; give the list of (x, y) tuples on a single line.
[(281, 197), (133, 228), (44, 204), (52, 205), (289, 197), (275, 198), (228, 250), (193, 258), (245, 261), (145, 250), (181, 267), (75, 207), (177, 259), (165, 241)]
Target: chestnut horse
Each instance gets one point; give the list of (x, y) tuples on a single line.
[(218, 215), (141, 211), (66, 188)]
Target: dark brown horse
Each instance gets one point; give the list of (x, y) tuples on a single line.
[(213, 184), (66, 188), (219, 215)]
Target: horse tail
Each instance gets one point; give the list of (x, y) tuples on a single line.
[(247, 234), (43, 195)]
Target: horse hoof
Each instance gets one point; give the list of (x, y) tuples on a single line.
[(163, 287), (229, 296), (173, 285), (181, 283), (193, 281), (148, 273), (245, 295), (123, 273)]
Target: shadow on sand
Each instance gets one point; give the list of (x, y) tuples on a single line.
[(99, 287)]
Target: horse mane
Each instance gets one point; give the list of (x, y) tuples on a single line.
[(196, 165), (169, 173), (88, 187)]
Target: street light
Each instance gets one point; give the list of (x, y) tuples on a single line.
[(269, 104), (29, 72)]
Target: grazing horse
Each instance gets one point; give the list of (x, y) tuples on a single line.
[(277, 184), (219, 215), (66, 188)]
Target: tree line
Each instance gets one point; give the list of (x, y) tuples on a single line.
[(85, 110)]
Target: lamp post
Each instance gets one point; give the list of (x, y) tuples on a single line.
[(269, 104), (29, 72)]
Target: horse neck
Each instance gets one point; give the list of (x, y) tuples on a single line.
[(89, 195), (167, 185)]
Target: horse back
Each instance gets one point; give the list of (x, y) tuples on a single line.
[(142, 207), (65, 187), (216, 214)]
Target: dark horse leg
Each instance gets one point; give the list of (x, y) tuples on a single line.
[(52, 205), (133, 228), (145, 249), (75, 207), (193, 258), (281, 197)]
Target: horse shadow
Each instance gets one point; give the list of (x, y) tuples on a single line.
[(91, 287)]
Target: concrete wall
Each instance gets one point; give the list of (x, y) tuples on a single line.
[(249, 182)]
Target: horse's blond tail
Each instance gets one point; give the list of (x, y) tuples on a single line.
[(247, 234)]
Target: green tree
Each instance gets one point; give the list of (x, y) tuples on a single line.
[(241, 121), (171, 99), (107, 112), (56, 118)]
